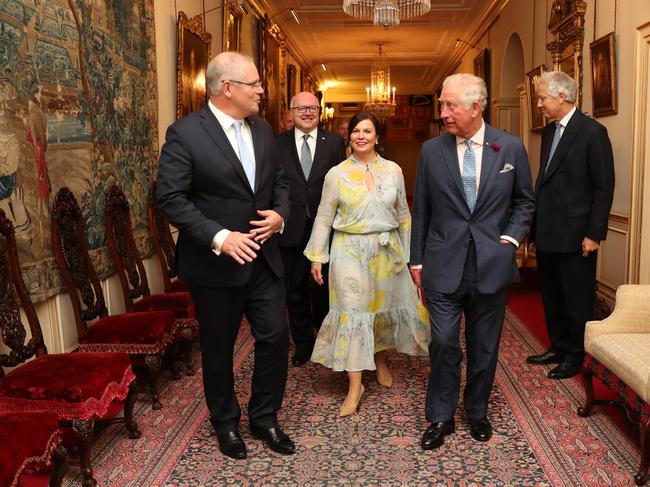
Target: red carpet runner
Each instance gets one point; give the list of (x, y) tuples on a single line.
[(538, 438)]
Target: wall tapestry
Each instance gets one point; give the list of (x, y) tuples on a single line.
[(77, 108)]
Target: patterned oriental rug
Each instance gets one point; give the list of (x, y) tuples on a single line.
[(538, 438)]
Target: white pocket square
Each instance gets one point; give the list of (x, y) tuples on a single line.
[(507, 167)]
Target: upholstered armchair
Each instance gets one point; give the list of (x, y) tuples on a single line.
[(80, 388), (164, 245), (145, 336), (618, 353), (133, 278), (24, 455)]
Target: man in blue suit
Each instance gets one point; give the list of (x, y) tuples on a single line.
[(473, 205)]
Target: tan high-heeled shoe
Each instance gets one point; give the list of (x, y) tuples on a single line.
[(349, 408)]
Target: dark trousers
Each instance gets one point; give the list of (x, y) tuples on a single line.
[(484, 315), (307, 302), (219, 312), (568, 285)]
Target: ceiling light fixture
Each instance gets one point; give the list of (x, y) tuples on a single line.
[(324, 66), (380, 96), (295, 16), (386, 13)]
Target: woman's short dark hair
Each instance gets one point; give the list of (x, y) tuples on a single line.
[(360, 117)]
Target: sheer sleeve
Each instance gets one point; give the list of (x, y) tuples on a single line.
[(402, 213), (317, 249)]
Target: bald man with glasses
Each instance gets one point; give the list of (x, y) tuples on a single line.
[(221, 183), (307, 152)]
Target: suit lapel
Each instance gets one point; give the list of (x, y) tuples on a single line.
[(258, 148), (570, 132), (319, 153), (450, 155), (218, 136), (488, 159)]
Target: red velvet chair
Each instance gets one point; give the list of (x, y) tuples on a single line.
[(145, 336), (80, 388), (133, 277), (164, 244), (24, 455)]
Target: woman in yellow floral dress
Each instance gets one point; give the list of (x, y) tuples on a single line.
[(374, 305)]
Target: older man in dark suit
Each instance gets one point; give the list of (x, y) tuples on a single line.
[(307, 152), (574, 190), (221, 183), (473, 204)]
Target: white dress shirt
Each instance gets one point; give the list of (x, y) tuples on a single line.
[(311, 141)]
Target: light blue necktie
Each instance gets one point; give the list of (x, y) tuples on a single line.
[(305, 156), (556, 141), (469, 175), (245, 157)]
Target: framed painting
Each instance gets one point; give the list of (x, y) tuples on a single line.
[(603, 75), (271, 60), (232, 26), (192, 62), (482, 70), (536, 118)]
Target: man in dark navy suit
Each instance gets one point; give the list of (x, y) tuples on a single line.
[(221, 183), (574, 190), (307, 153), (473, 204)]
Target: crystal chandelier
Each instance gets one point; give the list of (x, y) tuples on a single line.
[(380, 95), (386, 13)]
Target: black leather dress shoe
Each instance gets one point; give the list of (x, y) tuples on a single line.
[(232, 445), (434, 435), (565, 370), (548, 357), (480, 429), (300, 358), (275, 438)]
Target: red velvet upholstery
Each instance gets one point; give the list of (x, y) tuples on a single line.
[(134, 333), (180, 303), (72, 385), (21, 451), (177, 286)]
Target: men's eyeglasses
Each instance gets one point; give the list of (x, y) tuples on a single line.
[(311, 109), (252, 84)]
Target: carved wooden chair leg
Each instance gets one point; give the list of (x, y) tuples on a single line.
[(587, 382), (173, 357), (131, 425), (84, 430), (60, 458), (154, 363), (640, 477), (188, 346)]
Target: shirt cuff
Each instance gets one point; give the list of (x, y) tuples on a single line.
[(510, 239), (218, 239), (416, 266), (281, 228)]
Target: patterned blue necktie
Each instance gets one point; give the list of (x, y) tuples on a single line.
[(245, 157), (305, 156), (556, 141), (469, 175)]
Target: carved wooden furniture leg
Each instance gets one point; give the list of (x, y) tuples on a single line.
[(587, 382), (60, 458), (84, 430), (131, 425), (154, 363), (639, 478)]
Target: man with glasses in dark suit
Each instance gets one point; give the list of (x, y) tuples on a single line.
[(221, 183), (307, 152)]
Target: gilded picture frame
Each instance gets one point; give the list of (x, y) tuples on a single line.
[(232, 26), (482, 70), (536, 119), (192, 62), (603, 76), (272, 75)]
